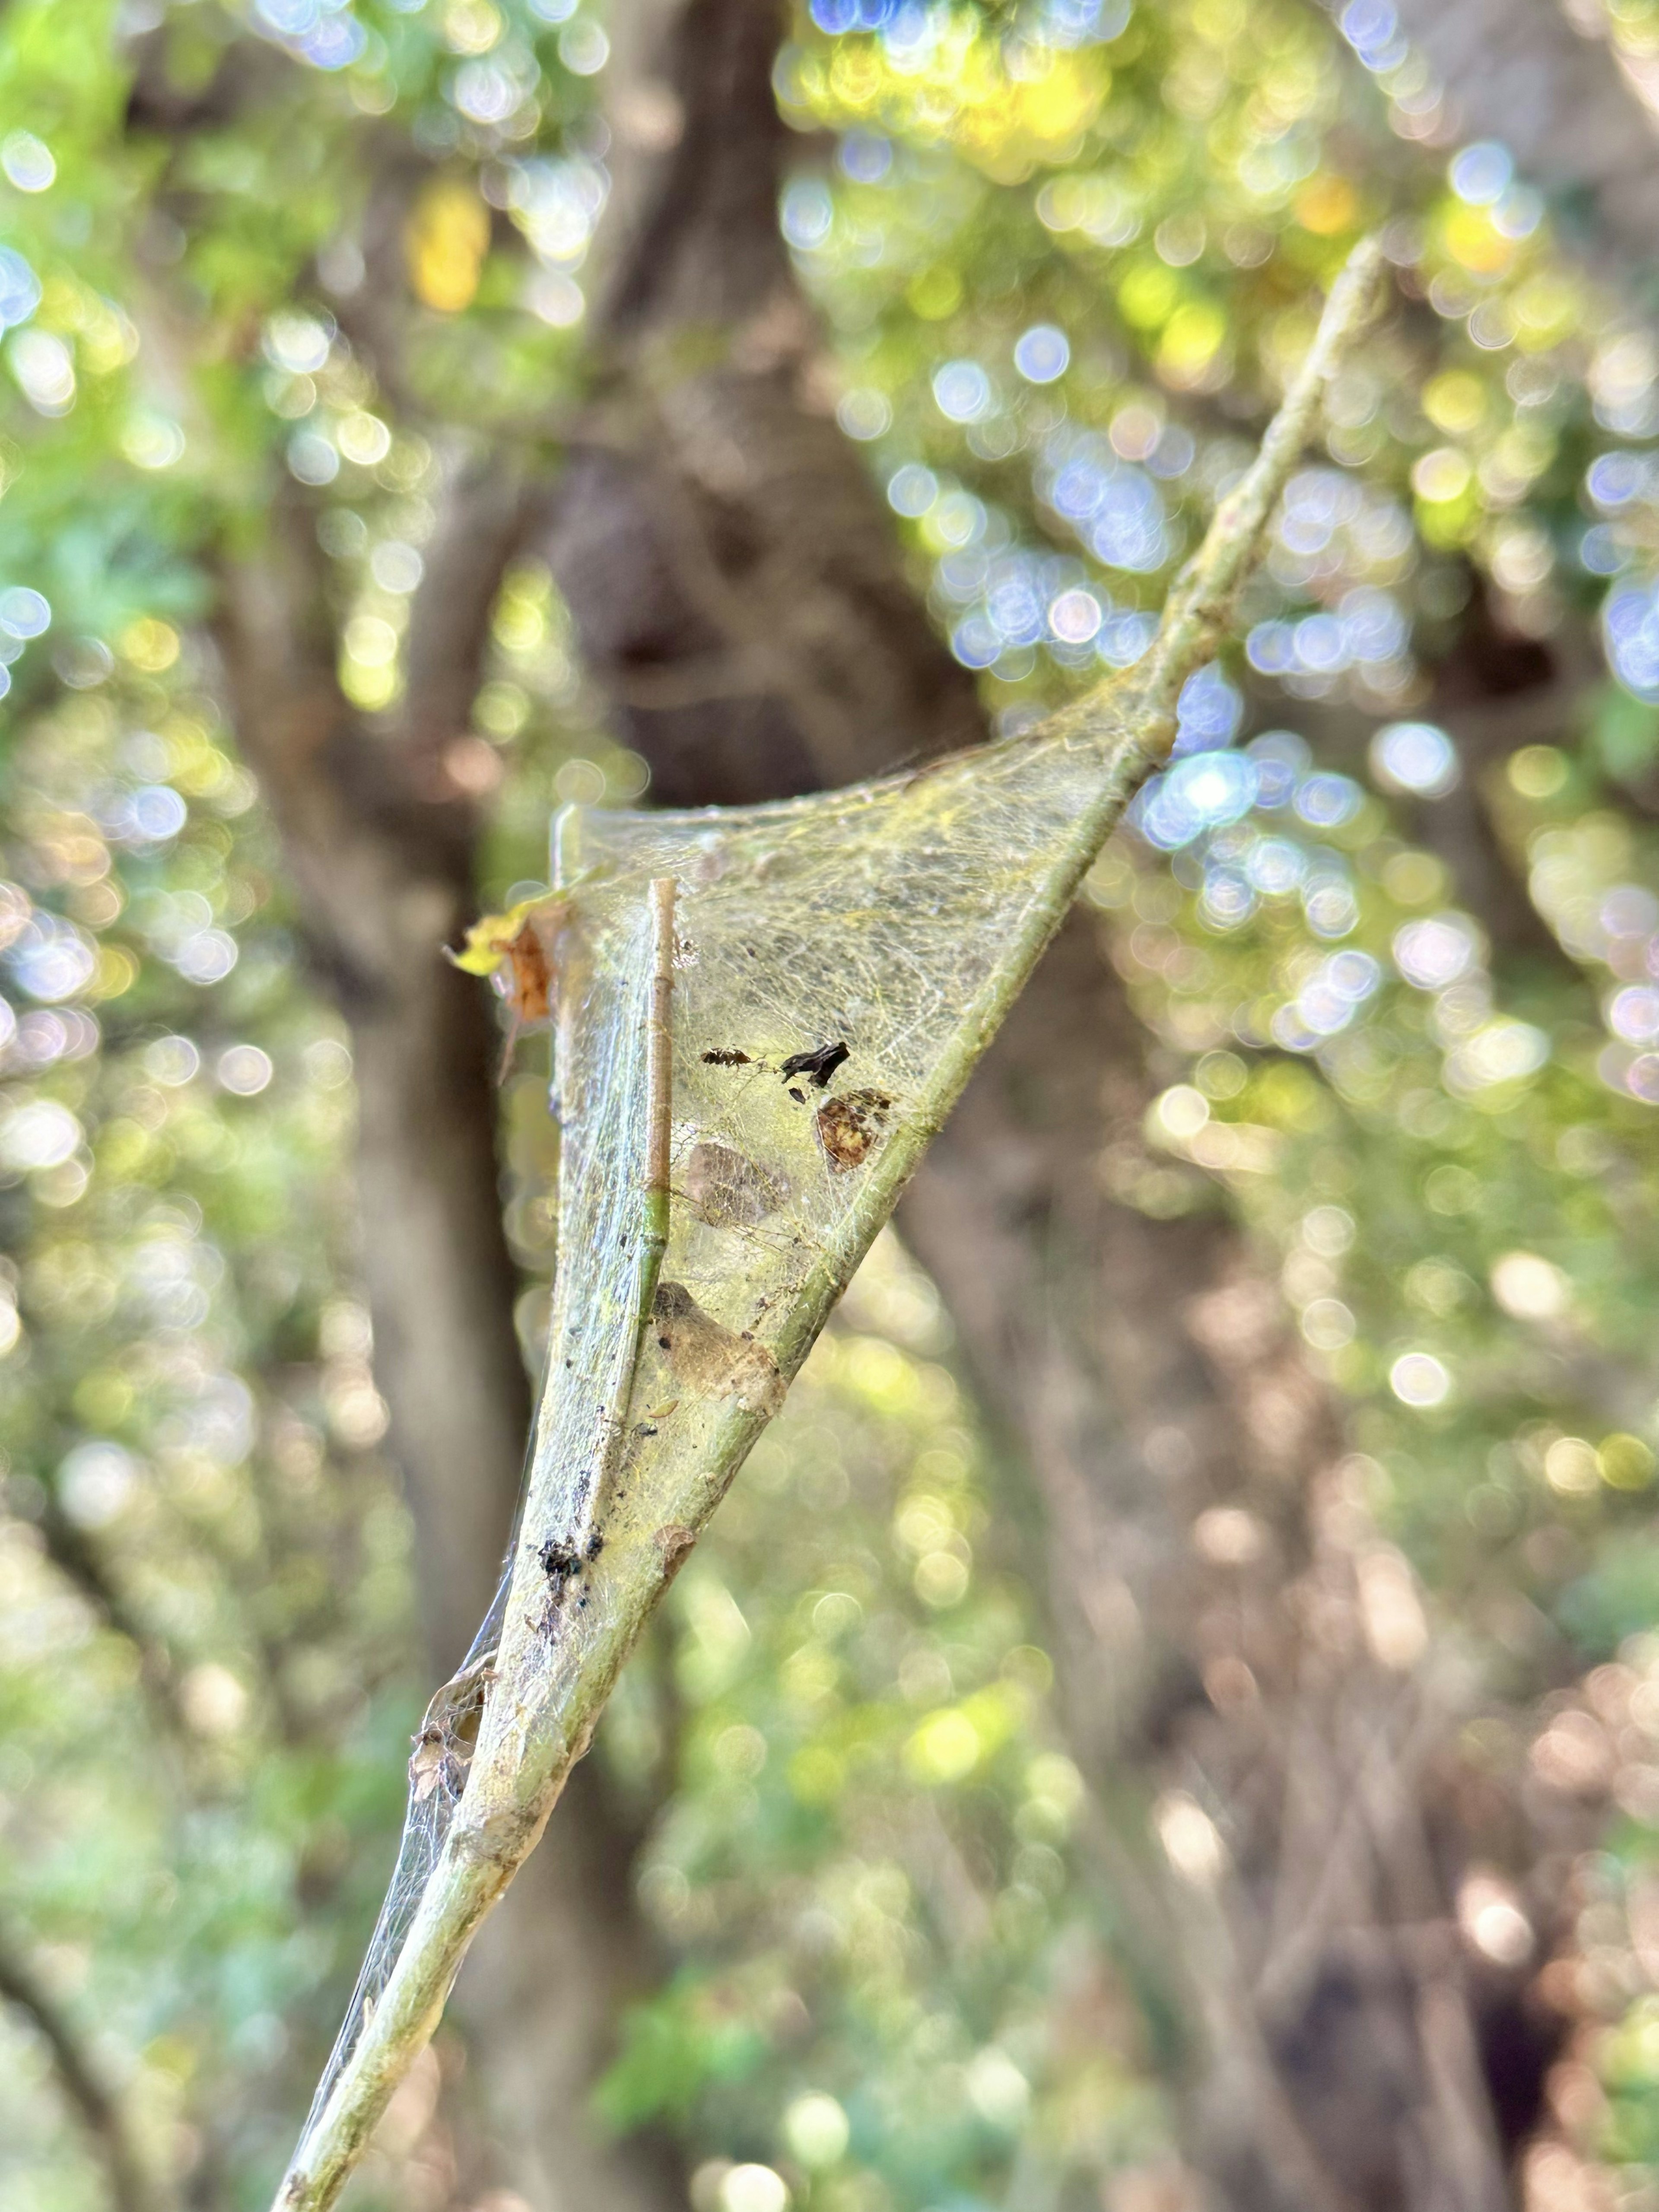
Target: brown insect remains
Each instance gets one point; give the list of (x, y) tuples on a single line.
[(728, 1191), (529, 991), (849, 1126), (518, 949)]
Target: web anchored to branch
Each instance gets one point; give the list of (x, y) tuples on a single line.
[(763, 1019)]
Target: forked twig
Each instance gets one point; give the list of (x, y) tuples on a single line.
[(538, 1718)]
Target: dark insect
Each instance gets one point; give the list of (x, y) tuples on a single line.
[(558, 1560), (820, 1063), (799, 1097), (848, 1126), (726, 1056)]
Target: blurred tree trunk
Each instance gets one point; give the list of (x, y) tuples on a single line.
[(1544, 77), (1229, 1633)]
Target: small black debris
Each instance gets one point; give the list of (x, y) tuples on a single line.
[(820, 1063), (558, 1560), (726, 1056)]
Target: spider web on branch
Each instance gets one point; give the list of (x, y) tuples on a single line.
[(833, 953)]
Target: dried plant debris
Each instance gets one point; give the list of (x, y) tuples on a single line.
[(728, 1191), (849, 1126), (443, 1749), (675, 1542), (710, 1360), (563, 1563), (820, 1063)]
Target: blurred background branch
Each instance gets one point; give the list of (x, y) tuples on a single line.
[(132, 2186)]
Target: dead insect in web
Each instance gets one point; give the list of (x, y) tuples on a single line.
[(726, 1056), (431, 1765), (820, 1063), (848, 1126), (516, 950), (428, 1758)]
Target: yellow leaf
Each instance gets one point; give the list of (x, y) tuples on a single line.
[(493, 936)]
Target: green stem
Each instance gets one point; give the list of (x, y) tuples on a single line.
[(1200, 606), (539, 1723)]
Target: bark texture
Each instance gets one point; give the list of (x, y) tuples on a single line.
[(735, 586)]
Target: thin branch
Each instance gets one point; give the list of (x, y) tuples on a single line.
[(708, 680), (481, 527), (659, 1097), (542, 1711), (132, 2187), (1246, 2062), (80, 1562), (739, 614), (1305, 1917), (1200, 605)]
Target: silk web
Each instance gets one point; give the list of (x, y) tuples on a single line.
[(831, 953)]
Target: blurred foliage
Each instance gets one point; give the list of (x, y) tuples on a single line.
[(866, 1865), (1064, 253)]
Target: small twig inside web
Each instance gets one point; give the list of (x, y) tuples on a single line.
[(658, 1096)]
